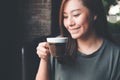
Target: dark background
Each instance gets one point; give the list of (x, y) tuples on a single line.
[(10, 35), (13, 65)]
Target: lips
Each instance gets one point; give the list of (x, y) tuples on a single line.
[(74, 30)]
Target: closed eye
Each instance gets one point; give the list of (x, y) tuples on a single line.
[(65, 16), (76, 15)]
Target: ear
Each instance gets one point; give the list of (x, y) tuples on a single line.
[(95, 17)]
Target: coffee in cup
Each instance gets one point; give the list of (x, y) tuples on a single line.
[(57, 46)]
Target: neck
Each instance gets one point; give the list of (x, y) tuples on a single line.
[(89, 45)]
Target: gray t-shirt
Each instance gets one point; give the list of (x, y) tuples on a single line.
[(104, 64)]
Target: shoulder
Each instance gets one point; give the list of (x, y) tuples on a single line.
[(112, 48), (112, 45), (113, 58)]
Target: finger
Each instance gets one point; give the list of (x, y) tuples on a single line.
[(43, 50), (42, 55), (43, 44)]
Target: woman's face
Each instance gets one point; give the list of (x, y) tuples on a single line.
[(76, 18)]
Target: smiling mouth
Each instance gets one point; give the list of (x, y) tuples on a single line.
[(74, 30)]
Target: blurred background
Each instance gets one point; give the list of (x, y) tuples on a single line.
[(25, 23)]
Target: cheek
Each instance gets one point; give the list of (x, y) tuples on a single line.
[(83, 18), (83, 21)]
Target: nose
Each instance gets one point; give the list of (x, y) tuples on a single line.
[(70, 21)]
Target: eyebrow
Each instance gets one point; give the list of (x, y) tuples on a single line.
[(73, 10)]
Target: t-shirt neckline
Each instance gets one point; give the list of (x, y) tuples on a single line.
[(94, 53)]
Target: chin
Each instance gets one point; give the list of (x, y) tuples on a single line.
[(75, 36)]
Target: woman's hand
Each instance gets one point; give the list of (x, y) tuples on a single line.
[(43, 51)]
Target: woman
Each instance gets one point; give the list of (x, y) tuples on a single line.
[(90, 51)]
